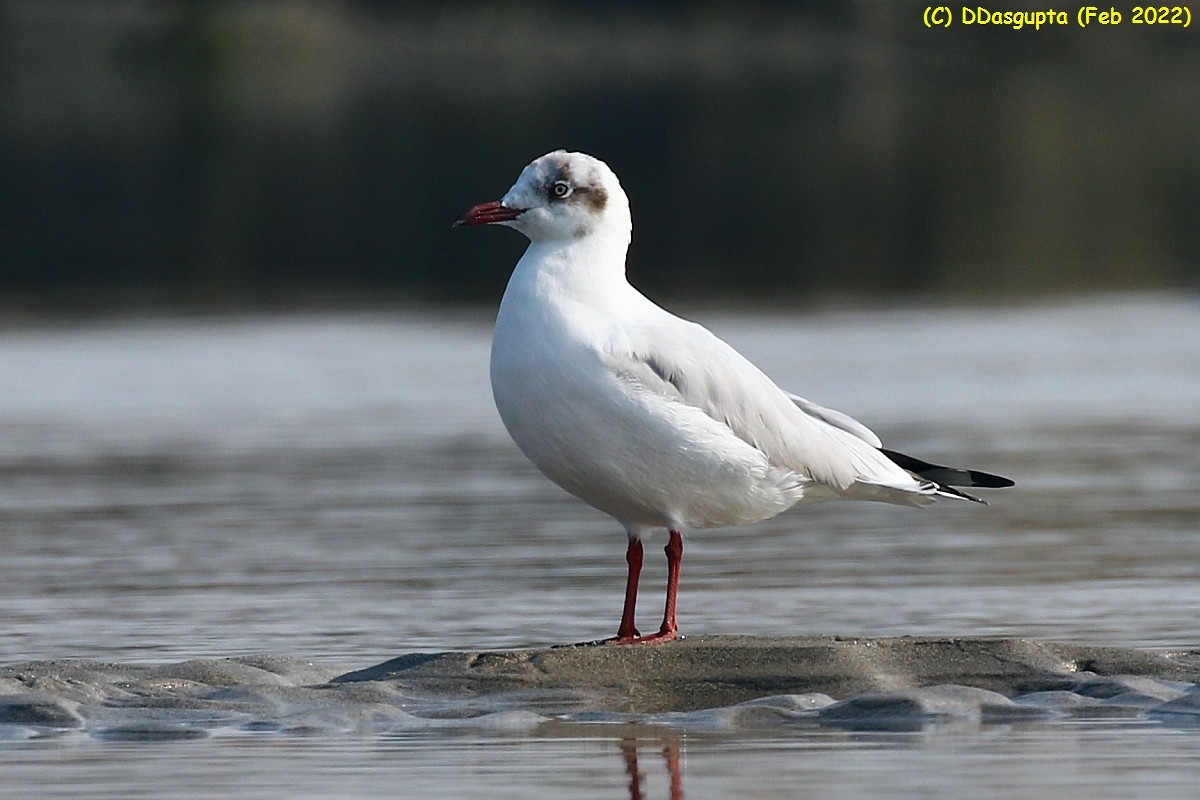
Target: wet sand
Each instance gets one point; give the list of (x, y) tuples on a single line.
[(708, 671), (832, 680)]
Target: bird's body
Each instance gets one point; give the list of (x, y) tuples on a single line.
[(646, 416)]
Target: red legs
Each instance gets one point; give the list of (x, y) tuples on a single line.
[(628, 632), (670, 753)]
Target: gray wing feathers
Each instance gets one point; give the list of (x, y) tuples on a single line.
[(837, 419), (689, 364)]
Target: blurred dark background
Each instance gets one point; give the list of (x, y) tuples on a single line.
[(217, 154)]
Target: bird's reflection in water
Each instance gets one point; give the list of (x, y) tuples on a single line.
[(667, 745)]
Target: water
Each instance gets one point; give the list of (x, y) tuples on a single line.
[(1083, 762), (338, 487)]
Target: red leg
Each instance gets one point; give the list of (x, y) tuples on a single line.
[(670, 628), (629, 754), (633, 557), (674, 551), (675, 774)]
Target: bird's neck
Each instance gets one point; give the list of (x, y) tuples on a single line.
[(589, 269)]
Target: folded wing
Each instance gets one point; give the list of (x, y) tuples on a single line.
[(686, 363)]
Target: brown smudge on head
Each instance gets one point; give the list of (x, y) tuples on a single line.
[(594, 197), (588, 192)]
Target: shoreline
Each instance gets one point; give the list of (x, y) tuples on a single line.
[(705, 681), (707, 671)]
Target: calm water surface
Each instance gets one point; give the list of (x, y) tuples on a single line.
[(340, 488)]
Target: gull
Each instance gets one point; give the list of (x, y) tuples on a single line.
[(646, 416)]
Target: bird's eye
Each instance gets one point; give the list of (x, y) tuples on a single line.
[(560, 189)]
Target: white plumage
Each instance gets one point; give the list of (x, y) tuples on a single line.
[(646, 416)]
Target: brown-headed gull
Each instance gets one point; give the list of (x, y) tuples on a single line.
[(648, 417)]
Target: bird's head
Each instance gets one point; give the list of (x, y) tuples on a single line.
[(558, 196)]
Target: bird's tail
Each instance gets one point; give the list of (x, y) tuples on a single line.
[(946, 478)]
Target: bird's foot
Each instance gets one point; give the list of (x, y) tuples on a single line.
[(654, 638), (664, 635)]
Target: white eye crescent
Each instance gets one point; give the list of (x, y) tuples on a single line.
[(560, 189)]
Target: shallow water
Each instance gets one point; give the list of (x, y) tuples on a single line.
[(339, 488), (1012, 762)]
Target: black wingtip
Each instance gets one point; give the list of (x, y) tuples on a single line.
[(948, 476), (985, 480)]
